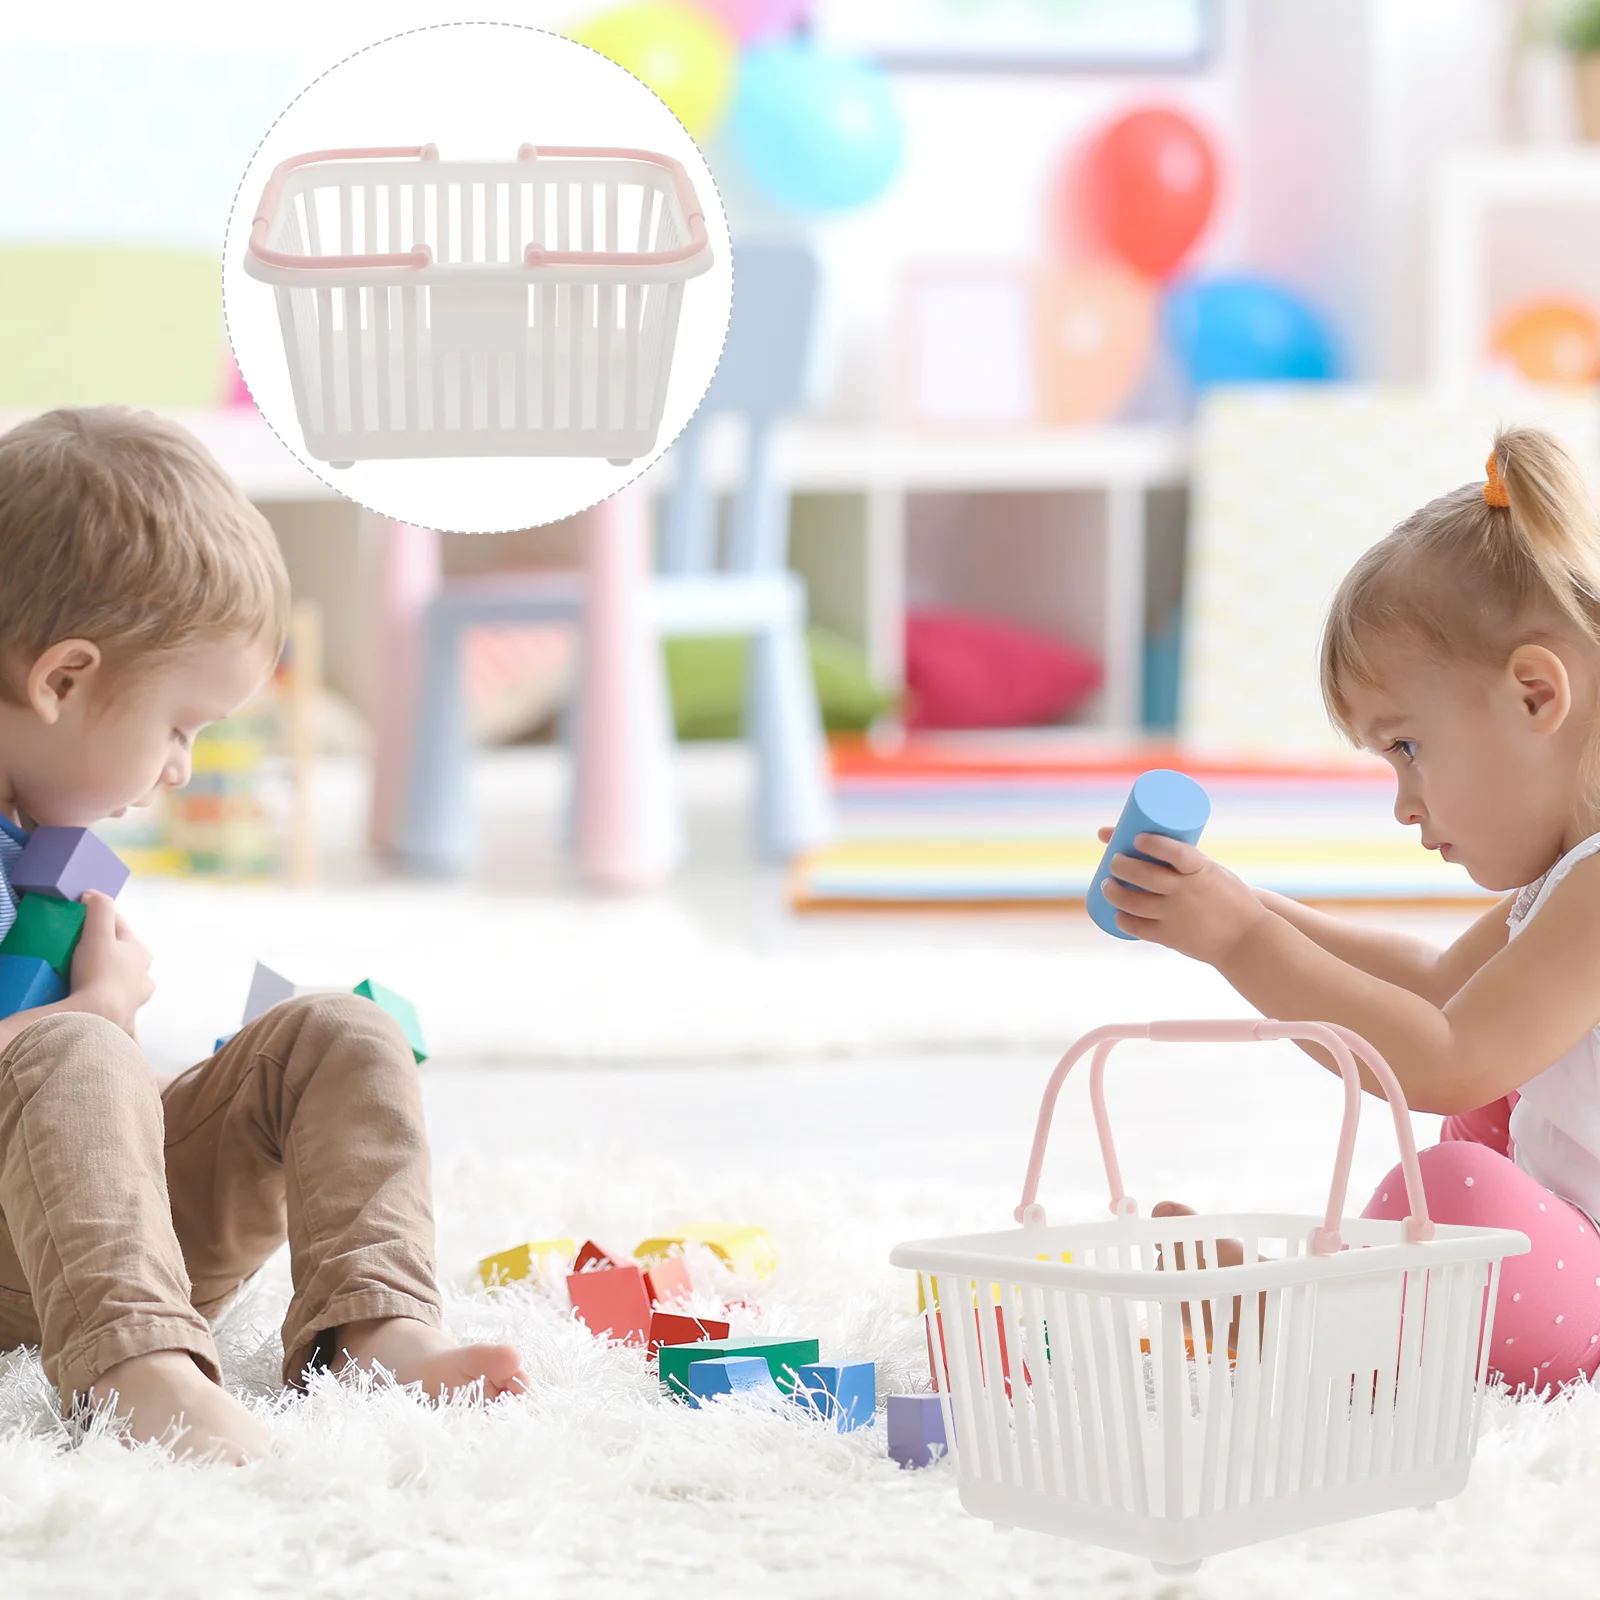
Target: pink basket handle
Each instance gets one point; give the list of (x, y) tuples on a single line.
[(688, 202), (417, 256), (1338, 1041)]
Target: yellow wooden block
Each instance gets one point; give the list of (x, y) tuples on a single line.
[(227, 755), (525, 1260), (745, 1248), (972, 1286)]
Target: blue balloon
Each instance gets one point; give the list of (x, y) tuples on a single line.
[(814, 131), (1246, 330)]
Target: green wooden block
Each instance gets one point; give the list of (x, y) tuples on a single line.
[(401, 1010), (784, 1358), (46, 928)]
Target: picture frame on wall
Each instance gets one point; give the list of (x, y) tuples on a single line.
[(969, 347), (1024, 35)]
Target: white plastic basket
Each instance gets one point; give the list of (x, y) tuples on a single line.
[(478, 308), (1076, 1402)]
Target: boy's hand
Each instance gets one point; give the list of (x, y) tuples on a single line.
[(1183, 899), (110, 968)]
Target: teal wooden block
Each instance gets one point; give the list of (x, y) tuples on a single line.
[(784, 1358), (48, 929), (401, 1010), (27, 982)]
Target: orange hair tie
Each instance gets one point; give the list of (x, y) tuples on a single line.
[(1494, 491)]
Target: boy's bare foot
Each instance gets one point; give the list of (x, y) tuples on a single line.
[(414, 1352), (166, 1399), (1230, 1253)]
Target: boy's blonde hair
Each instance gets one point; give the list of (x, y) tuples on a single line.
[(1474, 573), (119, 527)]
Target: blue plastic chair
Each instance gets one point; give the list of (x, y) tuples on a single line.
[(749, 592)]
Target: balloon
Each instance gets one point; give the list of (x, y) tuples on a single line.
[(679, 51), (752, 20), (1149, 182), (1245, 330), (815, 131), (1551, 341), (1096, 327)]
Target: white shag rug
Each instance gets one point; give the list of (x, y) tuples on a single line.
[(540, 979), (593, 1486)]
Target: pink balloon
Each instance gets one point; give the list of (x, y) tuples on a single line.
[(753, 20)]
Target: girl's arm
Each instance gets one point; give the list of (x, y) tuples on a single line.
[(1524, 1007), (1398, 958)]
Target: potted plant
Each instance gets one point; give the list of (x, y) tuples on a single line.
[(1580, 34)]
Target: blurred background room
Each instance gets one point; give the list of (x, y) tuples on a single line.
[(1078, 347)]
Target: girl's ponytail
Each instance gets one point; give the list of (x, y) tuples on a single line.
[(1549, 513)]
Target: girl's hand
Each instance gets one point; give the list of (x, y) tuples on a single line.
[(110, 968), (1183, 899)]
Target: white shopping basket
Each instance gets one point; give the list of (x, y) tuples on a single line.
[(478, 308), (1099, 1397)]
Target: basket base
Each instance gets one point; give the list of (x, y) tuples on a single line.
[(344, 450), (1179, 1541)]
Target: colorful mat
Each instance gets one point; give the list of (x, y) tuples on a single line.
[(980, 826)]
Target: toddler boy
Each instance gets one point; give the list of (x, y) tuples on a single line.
[(144, 597)]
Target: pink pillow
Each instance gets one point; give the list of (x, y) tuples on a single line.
[(967, 671)]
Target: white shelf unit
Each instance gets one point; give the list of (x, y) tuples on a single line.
[(854, 516), (1507, 225)]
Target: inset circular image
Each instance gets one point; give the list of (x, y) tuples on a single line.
[(477, 277)]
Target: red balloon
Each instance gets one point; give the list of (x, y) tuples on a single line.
[(1150, 180)]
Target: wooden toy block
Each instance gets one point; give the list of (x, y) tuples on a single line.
[(65, 862), (401, 1010), (668, 1327), (745, 1248), (530, 1260), (591, 1254), (784, 1358), (668, 1280), (267, 989), (26, 982), (845, 1393), (612, 1303), (47, 929), (746, 1376), (916, 1429)]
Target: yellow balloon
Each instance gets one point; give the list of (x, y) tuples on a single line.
[(686, 56)]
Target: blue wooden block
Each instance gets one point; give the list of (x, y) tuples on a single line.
[(26, 982), (63, 862), (742, 1375), (846, 1392), (1161, 801), (222, 1041), (916, 1429)]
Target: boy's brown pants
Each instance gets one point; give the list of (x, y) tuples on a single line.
[(129, 1213)]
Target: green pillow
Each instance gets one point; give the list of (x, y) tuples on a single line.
[(706, 680)]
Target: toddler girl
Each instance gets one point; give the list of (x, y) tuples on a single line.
[(1465, 648)]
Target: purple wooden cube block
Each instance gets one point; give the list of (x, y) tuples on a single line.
[(916, 1429), (63, 862)]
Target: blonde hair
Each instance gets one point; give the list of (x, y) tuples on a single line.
[(1473, 573), (119, 527)]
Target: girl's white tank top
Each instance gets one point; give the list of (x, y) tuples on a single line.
[(1555, 1125)]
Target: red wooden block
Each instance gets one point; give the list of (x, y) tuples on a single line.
[(668, 1280), (596, 1255), (667, 1327), (612, 1303), (1000, 1339)]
